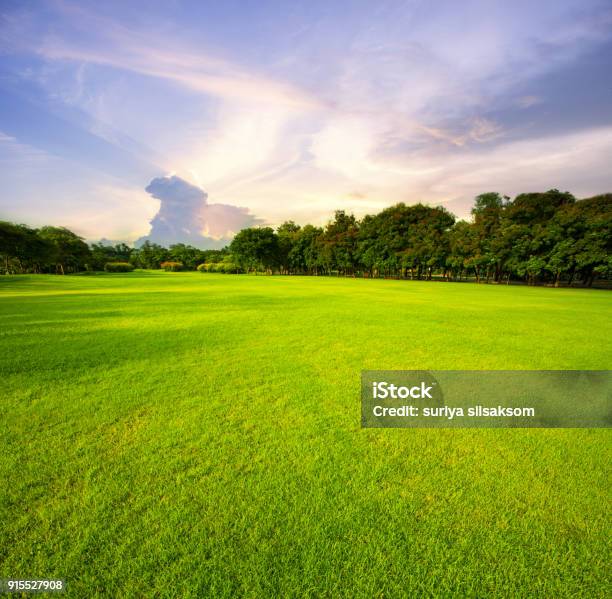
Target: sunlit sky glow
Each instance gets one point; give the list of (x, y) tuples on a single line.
[(294, 109)]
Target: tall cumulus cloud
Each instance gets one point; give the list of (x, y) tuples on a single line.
[(185, 216)]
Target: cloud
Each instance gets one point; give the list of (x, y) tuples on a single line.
[(155, 55), (419, 104), (452, 179), (527, 165), (45, 189), (528, 101), (246, 141), (225, 81), (185, 216)]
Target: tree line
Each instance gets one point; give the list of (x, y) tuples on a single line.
[(537, 237), (548, 237), (60, 251)]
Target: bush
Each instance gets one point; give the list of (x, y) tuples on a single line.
[(220, 267), (209, 267), (172, 266), (229, 268), (118, 267)]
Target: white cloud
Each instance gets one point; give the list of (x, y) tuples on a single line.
[(244, 140), (185, 216), (531, 165), (453, 178)]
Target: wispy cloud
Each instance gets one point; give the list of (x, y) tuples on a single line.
[(528, 101), (120, 47)]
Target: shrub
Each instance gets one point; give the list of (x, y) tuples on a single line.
[(220, 267), (229, 268), (209, 267), (118, 267), (172, 266)]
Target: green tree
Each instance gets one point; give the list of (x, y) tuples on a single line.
[(149, 255), (338, 244), (591, 231), (287, 234), (461, 245), (22, 249), (304, 254), (69, 251), (187, 255), (255, 249), (488, 253)]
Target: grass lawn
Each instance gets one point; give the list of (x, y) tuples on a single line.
[(187, 434)]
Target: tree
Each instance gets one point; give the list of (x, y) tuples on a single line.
[(187, 255), (536, 208), (545, 237), (338, 244), (287, 235), (69, 251), (591, 229), (149, 255), (304, 253), (461, 244), (524, 238), (488, 253), (22, 249), (255, 248)]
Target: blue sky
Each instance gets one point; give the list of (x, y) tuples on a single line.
[(290, 110)]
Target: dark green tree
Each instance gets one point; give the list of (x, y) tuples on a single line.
[(255, 249), (69, 252), (287, 234), (187, 255)]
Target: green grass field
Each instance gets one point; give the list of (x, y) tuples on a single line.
[(189, 435)]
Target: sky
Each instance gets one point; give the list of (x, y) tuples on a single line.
[(205, 117)]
